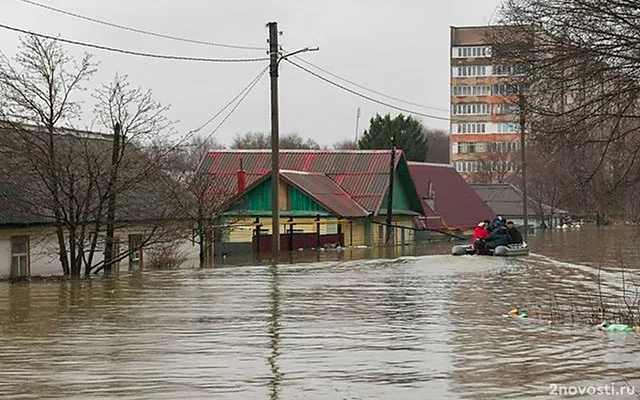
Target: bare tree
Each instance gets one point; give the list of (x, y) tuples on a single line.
[(135, 118), (346, 144), (38, 89), (495, 166), (201, 196), (260, 140), (581, 61)]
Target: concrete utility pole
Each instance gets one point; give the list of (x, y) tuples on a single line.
[(111, 204), (390, 197), (357, 123), (274, 52), (275, 58), (522, 102)]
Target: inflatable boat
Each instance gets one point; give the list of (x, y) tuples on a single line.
[(512, 250)]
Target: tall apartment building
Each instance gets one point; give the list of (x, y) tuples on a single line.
[(485, 139)]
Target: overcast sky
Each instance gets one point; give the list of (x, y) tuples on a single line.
[(398, 47)]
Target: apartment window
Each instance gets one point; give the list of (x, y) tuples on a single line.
[(508, 108), (477, 90), (471, 52), (508, 127), (471, 70), (508, 89), (472, 109), (506, 70), (481, 90), (20, 256), (505, 147), (470, 127)]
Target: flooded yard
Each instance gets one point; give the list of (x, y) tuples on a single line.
[(431, 326)]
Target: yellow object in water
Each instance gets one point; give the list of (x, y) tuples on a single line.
[(516, 312)]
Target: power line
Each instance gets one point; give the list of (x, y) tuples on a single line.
[(136, 53), (242, 95), (141, 31), (368, 89), (364, 95)]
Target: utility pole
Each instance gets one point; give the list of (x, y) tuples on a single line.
[(523, 113), (274, 52), (389, 239), (357, 123), (111, 205)]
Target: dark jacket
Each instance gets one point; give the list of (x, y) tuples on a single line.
[(496, 223), (498, 237), (515, 236)]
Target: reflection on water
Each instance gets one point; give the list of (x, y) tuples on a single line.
[(274, 331), (413, 328)]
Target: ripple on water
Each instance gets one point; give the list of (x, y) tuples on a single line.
[(420, 327)]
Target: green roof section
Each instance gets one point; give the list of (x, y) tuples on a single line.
[(257, 202), (405, 196), (299, 201)]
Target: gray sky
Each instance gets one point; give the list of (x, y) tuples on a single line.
[(397, 47)]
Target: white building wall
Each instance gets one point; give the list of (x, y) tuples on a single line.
[(44, 259), (5, 256)]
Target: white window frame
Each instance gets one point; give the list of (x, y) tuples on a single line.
[(471, 52), (20, 260), (466, 71), (471, 109)]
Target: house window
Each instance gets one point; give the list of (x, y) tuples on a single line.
[(20, 256)]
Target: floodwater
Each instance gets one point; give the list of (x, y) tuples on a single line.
[(417, 327)]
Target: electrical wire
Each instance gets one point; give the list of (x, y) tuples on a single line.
[(241, 95), (136, 53), (244, 96), (364, 95), (141, 31), (368, 89)]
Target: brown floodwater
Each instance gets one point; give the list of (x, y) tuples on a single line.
[(426, 325)]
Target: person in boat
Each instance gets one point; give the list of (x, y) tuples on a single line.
[(480, 232), (496, 223), (515, 236), (498, 237)]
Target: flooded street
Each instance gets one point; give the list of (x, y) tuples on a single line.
[(419, 327)]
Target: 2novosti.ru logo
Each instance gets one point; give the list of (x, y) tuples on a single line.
[(606, 390)]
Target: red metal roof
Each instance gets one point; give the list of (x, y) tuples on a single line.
[(454, 200), (363, 174), (326, 192)]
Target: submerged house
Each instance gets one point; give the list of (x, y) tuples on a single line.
[(454, 202), (28, 242), (336, 198), (507, 200)]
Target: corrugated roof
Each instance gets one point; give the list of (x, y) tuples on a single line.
[(363, 174), (506, 199), (326, 192), (454, 200)]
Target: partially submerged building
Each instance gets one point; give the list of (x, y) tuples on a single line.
[(456, 205), (507, 201), (326, 198)]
